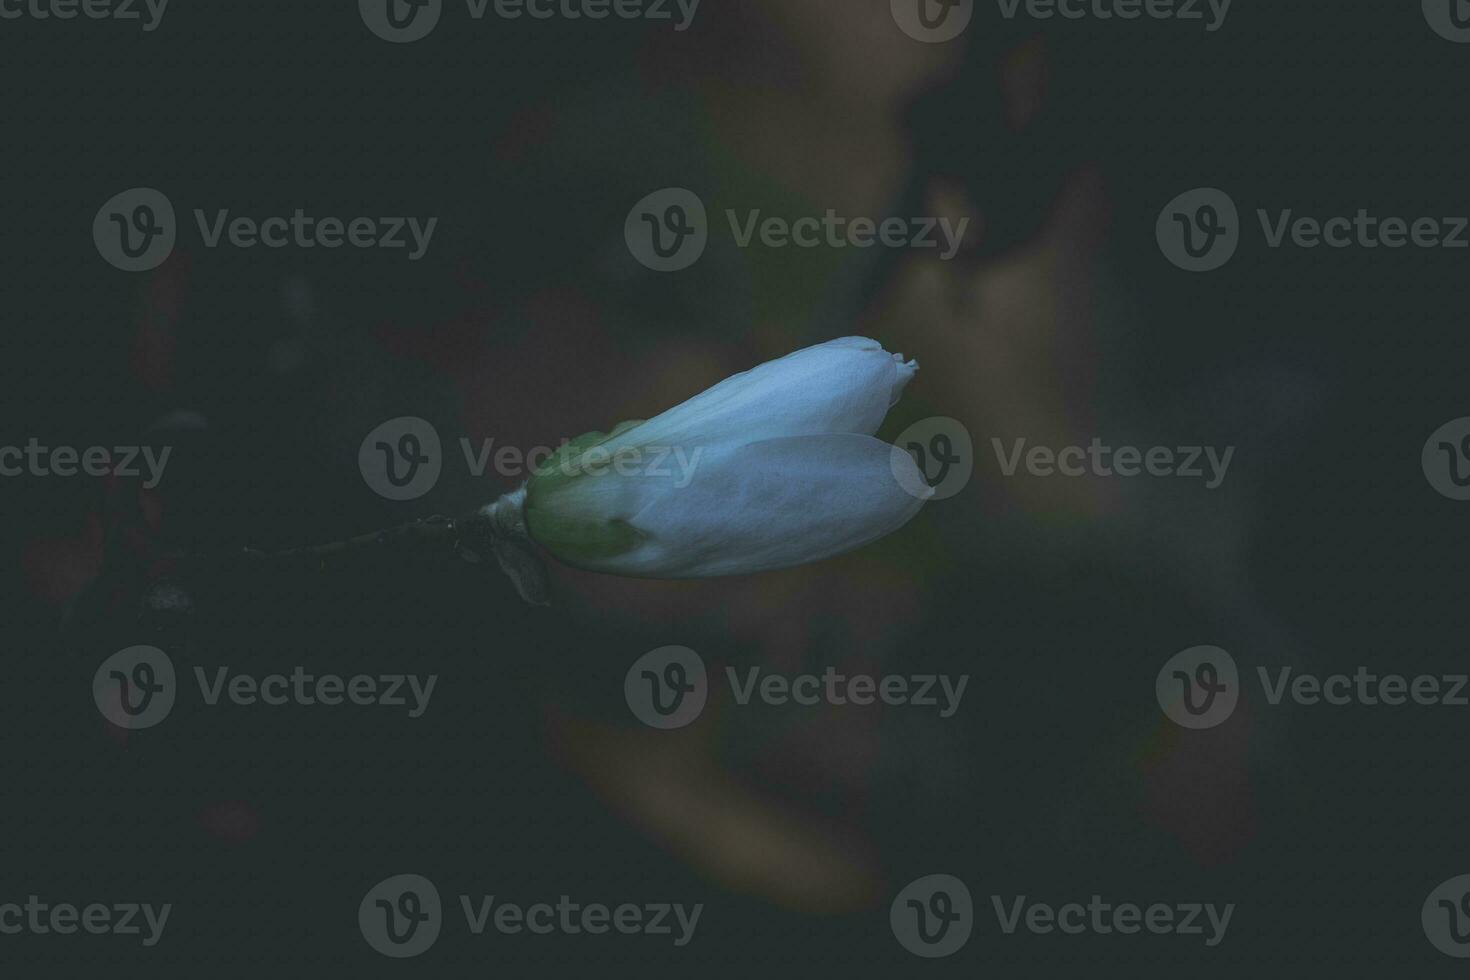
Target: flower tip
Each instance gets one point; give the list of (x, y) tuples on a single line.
[(904, 373)]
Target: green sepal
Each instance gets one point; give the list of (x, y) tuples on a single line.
[(576, 541)]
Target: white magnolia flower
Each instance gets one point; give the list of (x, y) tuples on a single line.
[(770, 468)]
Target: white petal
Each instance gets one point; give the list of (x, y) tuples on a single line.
[(844, 385), (752, 508)]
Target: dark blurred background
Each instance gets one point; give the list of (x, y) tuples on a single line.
[(528, 321)]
